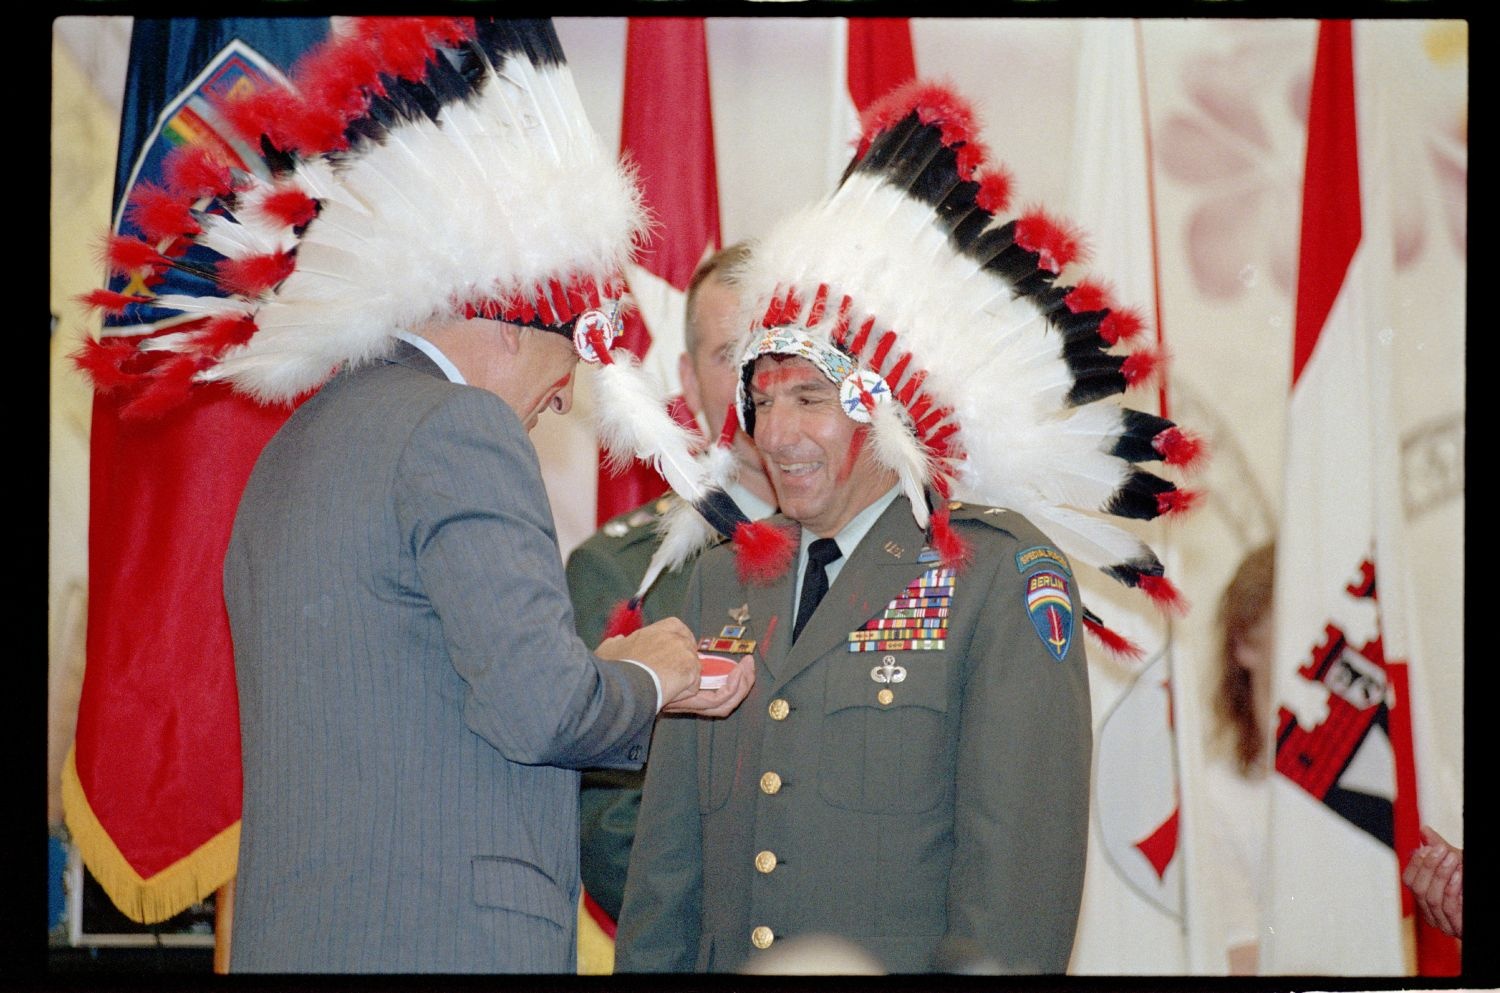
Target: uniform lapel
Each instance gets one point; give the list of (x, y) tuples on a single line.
[(880, 568), (768, 612)]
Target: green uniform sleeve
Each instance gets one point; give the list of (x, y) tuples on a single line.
[(1022, 800)]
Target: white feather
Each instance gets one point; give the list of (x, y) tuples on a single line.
[(440, 213), (684, 533), (633, 422), (894, 446)]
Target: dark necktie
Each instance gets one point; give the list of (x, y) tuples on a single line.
[(815, 580)]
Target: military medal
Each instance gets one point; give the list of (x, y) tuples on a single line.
[(915, 620), (731, 638)]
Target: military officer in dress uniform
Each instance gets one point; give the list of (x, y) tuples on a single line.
[(910, 771), (608, 566), (920, 789)]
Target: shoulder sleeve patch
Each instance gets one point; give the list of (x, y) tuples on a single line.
[(1050, 608), (1042, 556)]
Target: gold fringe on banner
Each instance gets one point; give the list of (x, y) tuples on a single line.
[(185, 882)]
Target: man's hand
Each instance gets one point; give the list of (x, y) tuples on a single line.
[(722, 701), (666, 648), (1436, 877)]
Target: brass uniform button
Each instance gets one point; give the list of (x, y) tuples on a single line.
[(955, 505), (779, 709), (885, 697), (762, 937), (770, 784), (765, 861)]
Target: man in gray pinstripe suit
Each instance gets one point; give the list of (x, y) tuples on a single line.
[(413, 699), (414, 702)]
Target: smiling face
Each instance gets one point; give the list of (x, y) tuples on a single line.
[(816, 456)]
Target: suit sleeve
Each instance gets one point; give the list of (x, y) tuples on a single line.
[(661, 920), (1022, 795), (471, 502)]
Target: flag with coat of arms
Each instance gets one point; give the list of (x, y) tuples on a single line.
[(1343, 805), (151, 787)]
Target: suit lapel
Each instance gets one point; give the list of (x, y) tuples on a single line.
[(880, 568)]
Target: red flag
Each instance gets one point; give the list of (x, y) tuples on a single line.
[(151, 788), (880, 57), (667, 131)]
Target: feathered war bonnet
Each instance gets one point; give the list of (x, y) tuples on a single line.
[(944, 327), (416, 168)]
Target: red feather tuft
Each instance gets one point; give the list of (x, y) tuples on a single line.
[(763, 552), (626, 618), (450, 30), (1117, 645), (255, 275), (170, 384), (1056, 244), (196, 171), (124, 254), (223, 332), (109, 301), (261, 113), (1140, 366), (1162, 593), (102, 363), (290, 206), (313, 131), (1089, 296), (1180, 448), (402, 44), (1121, 325), (160, 214), (1176, 501), (934, 104), (341, 76), (951, 547), (994, 191)]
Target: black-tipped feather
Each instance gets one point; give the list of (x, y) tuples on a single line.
[(1130, 573), (1137, 495), (719, 510), (1096, 375), (1140, 429)]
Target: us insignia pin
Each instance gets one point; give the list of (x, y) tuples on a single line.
[(1050, 610)]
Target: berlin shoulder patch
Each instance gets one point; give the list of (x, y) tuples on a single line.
[(1048, 603)]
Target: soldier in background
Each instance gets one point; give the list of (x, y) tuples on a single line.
[(607, 568)]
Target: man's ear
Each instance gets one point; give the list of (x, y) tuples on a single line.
[(510, 337)]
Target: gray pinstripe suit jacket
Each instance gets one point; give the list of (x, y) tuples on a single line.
[(413, 700)]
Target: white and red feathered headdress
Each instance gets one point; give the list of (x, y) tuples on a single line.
[(417, 167), (943, 324)]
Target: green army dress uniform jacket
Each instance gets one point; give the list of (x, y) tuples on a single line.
[(608, 567), (603, 571), (928, 802)]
